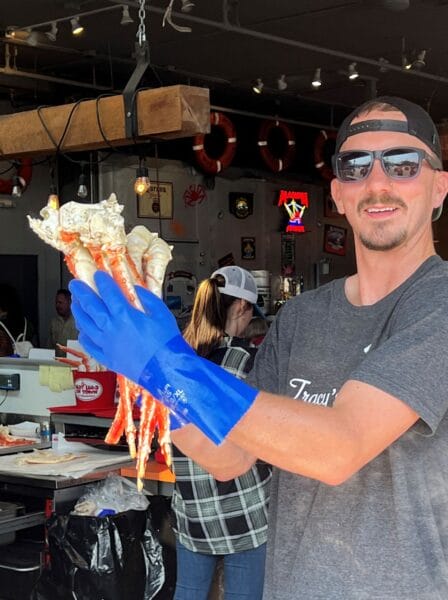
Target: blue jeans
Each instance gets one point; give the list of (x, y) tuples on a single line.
[(243, 574)]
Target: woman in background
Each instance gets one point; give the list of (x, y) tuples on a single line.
[(221, 519)]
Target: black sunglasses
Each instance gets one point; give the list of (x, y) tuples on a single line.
[(397, 163)]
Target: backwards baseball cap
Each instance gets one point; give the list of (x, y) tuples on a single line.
[(238, 283), (418, 123)]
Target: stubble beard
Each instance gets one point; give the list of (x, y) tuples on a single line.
[(383, 236)]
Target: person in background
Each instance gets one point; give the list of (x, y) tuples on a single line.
[(215, 519), (6, 348), (353, 407), (62, 327), (13, 317), (256, 330)]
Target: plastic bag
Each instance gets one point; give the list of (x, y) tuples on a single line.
[(22, 349), (102, 558), (112, 495)]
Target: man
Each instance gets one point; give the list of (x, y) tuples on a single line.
[(62, 327), (355, 380)]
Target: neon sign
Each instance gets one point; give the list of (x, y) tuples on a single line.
[(295, 204)]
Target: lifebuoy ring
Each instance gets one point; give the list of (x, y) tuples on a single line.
[(24, 172), (216, 165), (273, 162), (320, 160)]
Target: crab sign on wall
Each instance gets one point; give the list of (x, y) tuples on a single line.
[(194, 194), (295, 204)]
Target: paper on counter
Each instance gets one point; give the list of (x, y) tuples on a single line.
[(57, 379), (90, 460)]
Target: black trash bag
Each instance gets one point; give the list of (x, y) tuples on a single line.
[(102, 558)]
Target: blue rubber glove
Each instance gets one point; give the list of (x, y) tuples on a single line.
[(148, 348)]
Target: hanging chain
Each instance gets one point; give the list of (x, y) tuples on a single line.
[(141, 32)]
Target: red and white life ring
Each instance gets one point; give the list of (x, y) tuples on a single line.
[(24, 172), (216, 165), (320, 160), (273, 162)]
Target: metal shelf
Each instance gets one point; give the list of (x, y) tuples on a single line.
[(22, 522)]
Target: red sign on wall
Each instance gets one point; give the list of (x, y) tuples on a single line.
[(295, 204)]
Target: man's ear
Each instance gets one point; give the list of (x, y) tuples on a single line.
[(440, 188), (336, 194)]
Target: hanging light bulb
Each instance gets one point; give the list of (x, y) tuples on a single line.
[(316, 82), (352, 72), (126, 18), (16, 187), (77, 28), (82, 191), (53, 198), (142, 183)]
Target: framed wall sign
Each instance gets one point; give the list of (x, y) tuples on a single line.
[(248, 248), (288, 254), (335, 240), (157, 203)]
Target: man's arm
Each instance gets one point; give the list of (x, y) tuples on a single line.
[(327, 444), (224, 462)]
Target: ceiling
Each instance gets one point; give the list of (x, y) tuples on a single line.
[(232, 43)]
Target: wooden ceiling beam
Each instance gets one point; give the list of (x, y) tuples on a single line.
[(164, 113)]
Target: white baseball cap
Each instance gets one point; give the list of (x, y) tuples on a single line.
[(239, 283)]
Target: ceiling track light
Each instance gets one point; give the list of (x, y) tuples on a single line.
[(126, 18), (405, 63), (77, 28), (258, 86), (419, 62), (317, 81), (32, 38), (384, 62), (282, 83), (52, 34), (352, 72)]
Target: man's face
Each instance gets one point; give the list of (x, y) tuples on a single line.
[(62, 304), (386, 213)]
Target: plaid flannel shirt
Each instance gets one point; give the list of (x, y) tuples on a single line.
[(221, 517)]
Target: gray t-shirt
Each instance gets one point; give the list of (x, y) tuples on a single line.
[(383, 534)]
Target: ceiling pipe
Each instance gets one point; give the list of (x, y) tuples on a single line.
[(255, 115), (267, 37)]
